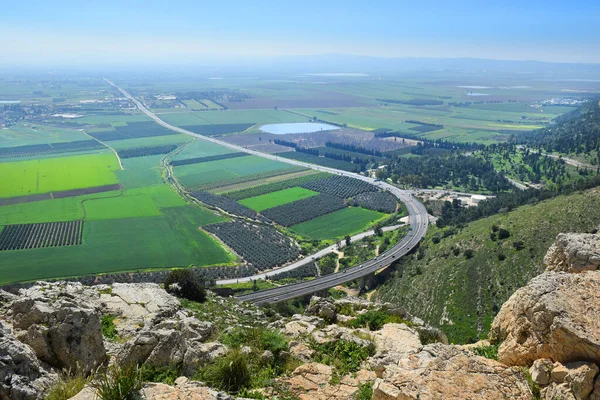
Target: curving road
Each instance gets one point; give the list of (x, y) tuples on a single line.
[(418, 221)]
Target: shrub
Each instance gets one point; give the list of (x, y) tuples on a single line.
[(187, 284), (165, 375), (230, 373), (66, 387), (344, 355), (469, 253), (503, 234), (118, 382), (501, 257), (490, 352), (259, 338), (109, 330), (518, 245), (365, 391)]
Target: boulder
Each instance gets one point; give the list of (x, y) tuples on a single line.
[(312, 381), (61, 324), (199, 354), (182, 389), (540, 371), (332, 333), (22, 376), (581, 378), (393, 342), (574, 252), (556, 315), (137, 305), (158, 348), (323, 308), (301, 325), (449, 372), (301, 351)]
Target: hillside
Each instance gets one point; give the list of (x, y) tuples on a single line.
[(576, 133), (462, 295)]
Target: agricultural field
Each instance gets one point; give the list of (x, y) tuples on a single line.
[(37, 150), (273, 186), (273, 199), (262, 246), (336, 225), (196, 175), (57, 174), (340, 186), (303, 210)]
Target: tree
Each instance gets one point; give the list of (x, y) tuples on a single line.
[(187, 284), (348, 240)]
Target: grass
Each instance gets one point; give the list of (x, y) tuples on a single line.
[(56, 174), (120, 207), (345, 356), (115, 245), (66, 387), (347, 221), (109, 330), (458, 294), (278, 198)]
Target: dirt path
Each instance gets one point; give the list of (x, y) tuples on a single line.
[(105, 145), (337, 262)]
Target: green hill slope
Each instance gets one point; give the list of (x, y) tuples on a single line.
[(461, 295)]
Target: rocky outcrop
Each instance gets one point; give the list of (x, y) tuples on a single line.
[(183, 389), (21, 374), (449, 372), (136, 305), (61, 324), (392, 343), (312, 382), (574, 252), (556, 316), (322, 308)]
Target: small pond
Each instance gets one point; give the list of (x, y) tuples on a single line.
[(297, 127)]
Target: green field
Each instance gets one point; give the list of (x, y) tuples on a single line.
[(278, 198), (56, 174), (199, 174), (347, 221), (120, 207), (123, 245)]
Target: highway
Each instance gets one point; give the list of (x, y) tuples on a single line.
[(418, 221)]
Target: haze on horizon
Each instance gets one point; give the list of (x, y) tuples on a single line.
[(73, 33)]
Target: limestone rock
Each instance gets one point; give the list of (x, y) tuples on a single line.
[(581, 378), (449, 372), (199, 354), (301, 351), (556, 391), (312, 382), (540, 371), (61, 324), (556, 316), (323, 308), (393, 342), (301, 325), (559, 373), (310, 376), (137, 305), (332, 333), (22, 376), (574, 252), (183, 389)]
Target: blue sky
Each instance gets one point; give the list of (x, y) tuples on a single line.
[(96, 31)]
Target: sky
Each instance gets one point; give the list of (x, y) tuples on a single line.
[(96, 32)]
